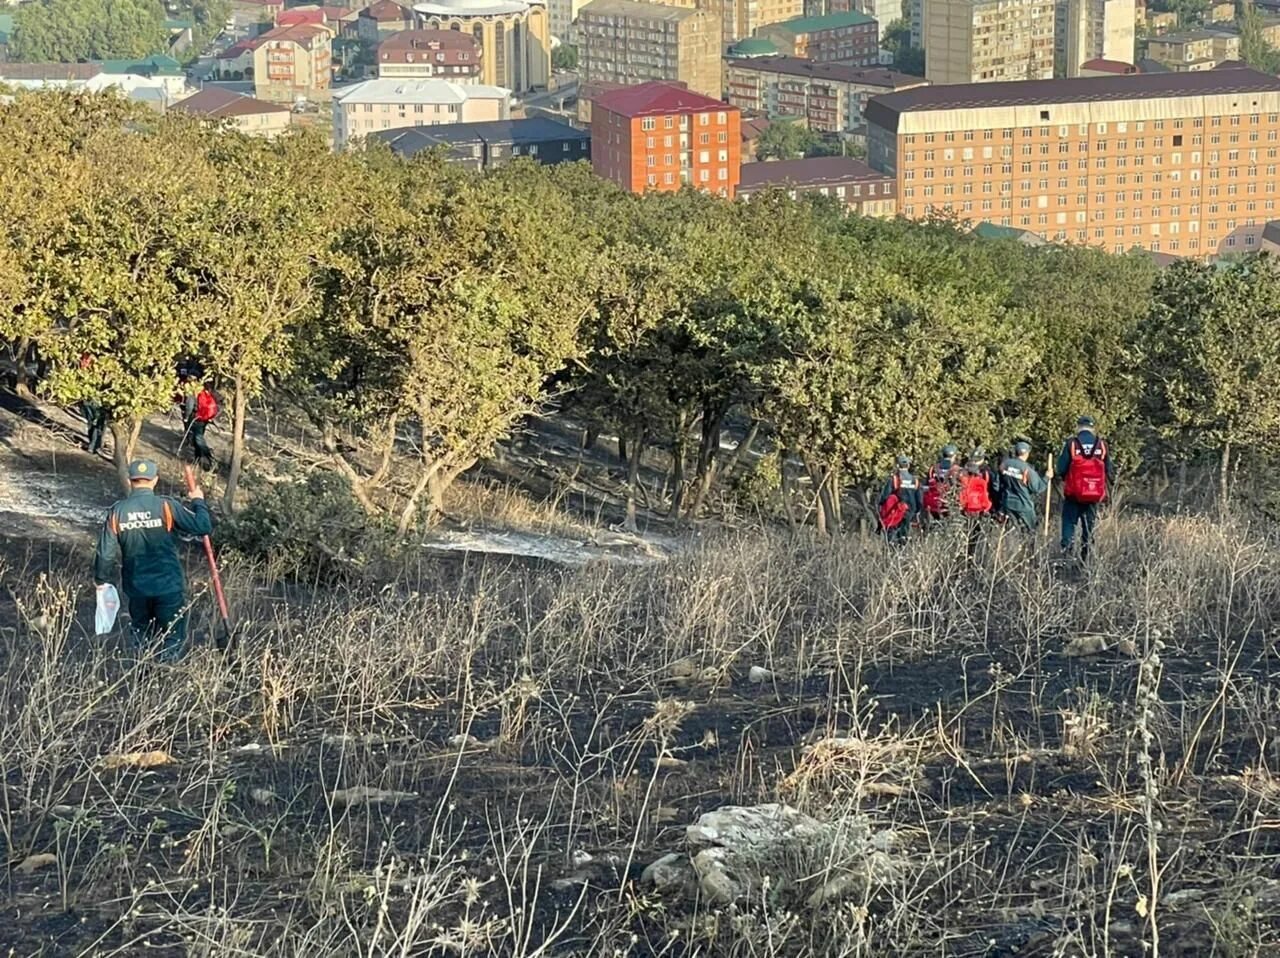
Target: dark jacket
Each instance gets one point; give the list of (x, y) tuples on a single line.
[(909, 490), (1019, 486), (1087, 439), (138, 535)]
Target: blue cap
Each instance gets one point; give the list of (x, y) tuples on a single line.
[(143, 469), (1084, 422), (949, 451), (904, 461), (1020, 447)]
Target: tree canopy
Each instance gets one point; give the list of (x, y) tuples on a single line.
[(67, 31)]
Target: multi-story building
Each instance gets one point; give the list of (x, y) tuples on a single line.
[(829, 97), (382, 18), (563, 14), (1093, 30), (1161, 23), (364, 108), (741, 18), (1181, 163), (236, 61), (970, 41), (243, 113), (661, 137), (430, 54), (881, 11), (482, 146), (293, 62), (1194, 50), (848, 181), (850, 37), (514, 37), (1221, 13), (627, 42)]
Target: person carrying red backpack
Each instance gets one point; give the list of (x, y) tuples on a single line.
[(979, 491), (1087, 473), (943, 477), (900, 502), (207, 409)]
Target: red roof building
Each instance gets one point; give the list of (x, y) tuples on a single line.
[(1103, 67), (424, 54), (657, 136), (302, 15)]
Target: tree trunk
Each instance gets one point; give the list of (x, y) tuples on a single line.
[(1224, 472), (589, 437), (429, 469), (741, 449), (124, 435), (441, 481), (387, 450), (239, 402), (633, 479), (357, 484), (21, 373), (828, 521), (677, 463), (622, 448), (708, 457)]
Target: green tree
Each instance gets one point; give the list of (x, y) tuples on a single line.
[(1210, 352), (896, 39), (565, 57), (788, 140), (66, 31), (1254, 48)]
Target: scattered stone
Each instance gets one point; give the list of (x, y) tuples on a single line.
[(685, 668), (1083, 645), (758, 675), (710, 739), (344, 738), (35, 862), (1183, 897), (152, 759), (465, 741), (669, 873), (665, 814), (263, 796), (671, 762), (1128, 648), (581, 858), (366, 795)]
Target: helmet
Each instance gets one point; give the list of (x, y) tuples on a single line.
[(904, 461), (949, 451), (1021, 447), (1085, 422)]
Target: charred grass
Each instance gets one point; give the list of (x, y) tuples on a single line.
[(479, 757)]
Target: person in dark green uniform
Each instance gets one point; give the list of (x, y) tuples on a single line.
[(1020, 486), (138, 537)]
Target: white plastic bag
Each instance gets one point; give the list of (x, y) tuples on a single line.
[(108, 608)]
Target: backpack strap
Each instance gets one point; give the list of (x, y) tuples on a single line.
[(168, 515), (113, 521)]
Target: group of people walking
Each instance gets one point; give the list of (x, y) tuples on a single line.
[(1006, 493)]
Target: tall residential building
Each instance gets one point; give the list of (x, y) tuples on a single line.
[(1181, 163), (563, 14), (969, 41), (374, 105), (627, 42), (883, 12), (743, 17), (514, 37), (1194, 50), (829, 97), (850, 37), (430, 54), (656, 136), (293, 62), (1096, 30)]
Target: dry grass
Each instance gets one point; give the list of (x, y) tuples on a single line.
[(523, 740)]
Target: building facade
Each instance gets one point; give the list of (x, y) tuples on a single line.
[(743, 17), (972, 41), (660, 137), (430, 54), (1194, 50), (483, 146), (627, 42), (293, 62), (381, 19), (850, 182), (1097, 29), (243, 113), (829, 97), (514, 37), (1180, 163), (852, 38), (374, 105)]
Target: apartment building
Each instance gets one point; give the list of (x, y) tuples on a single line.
[(971, 41), (1221, 13), (1194, 50), (1095, 30), (1180, 163), (514, 37), (850, 182), (293, 62), (1161, 23), (430, 54), (628, 42), (849, 37), (741, 18), (240, 112), (364, 108), (656, 136), (829, 97), (382, 18)]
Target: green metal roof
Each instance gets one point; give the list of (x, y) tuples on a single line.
[(179, 23), (155, 65), (832, 21), (996, 231), (753, 47)]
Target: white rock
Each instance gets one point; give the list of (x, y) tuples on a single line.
[(669, 873), (758, 675)]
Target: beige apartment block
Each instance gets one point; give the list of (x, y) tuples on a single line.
[(628, 42), (514, 37), (293, 62), (1099, 29), (741, 18), (1194, 50), (1178, 163), (373, 105), (970, 41)]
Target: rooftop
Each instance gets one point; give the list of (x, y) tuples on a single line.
[(239, 48), (1142, 86), (390, 90), (155, 65), (401, 47), (289, 18), (49, 71), (1103, 65), (753, 47), (817, 171), (994, 231), (298, 32), (834, 72), (471, 8), (831, 21), (1183, 36), (218, 102), (386, 10), (635, 8), (655, 99), (539, 129)]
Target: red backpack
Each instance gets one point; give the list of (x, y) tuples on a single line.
[(935, 493), (975, 493), (894, 509), (206, 406), (1086, 481)]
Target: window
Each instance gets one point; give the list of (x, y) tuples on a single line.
[(648, 123), (704, 175), (704, 138), (704, 119), (720, 118)]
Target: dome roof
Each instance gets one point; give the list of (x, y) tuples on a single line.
[(753, 47), (471, 8)]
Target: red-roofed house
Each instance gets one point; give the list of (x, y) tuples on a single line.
[(381, 19), (236, 61), (657, 136), (292, 62), (254, 117), (430, 54), (1098, 67), (297, 16)]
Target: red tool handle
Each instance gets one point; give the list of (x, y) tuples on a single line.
[(213, 564)]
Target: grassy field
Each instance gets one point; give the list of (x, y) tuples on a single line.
[(482, 756)]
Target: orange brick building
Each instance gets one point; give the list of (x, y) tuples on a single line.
[(657, 136), (1181, 163)]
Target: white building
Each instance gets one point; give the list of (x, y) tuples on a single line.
[(392, 104), (1099, 29)]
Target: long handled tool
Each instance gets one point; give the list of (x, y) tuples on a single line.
[(224, 638), (1048, 494)]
